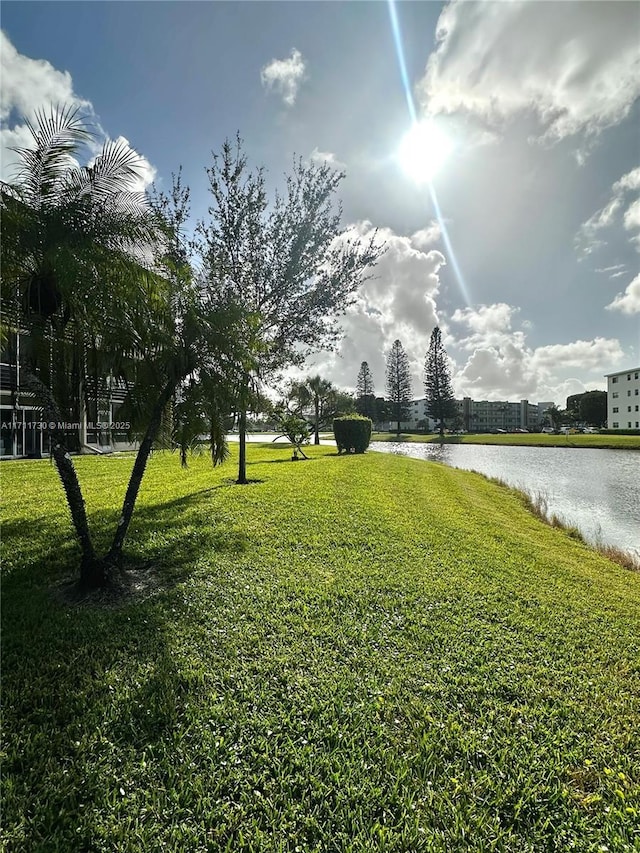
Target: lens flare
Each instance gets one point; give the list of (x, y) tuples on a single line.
[(397, 37)]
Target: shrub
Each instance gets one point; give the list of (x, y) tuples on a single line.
[(352, 433)]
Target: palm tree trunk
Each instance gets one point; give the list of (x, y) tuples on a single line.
[(114, 557), (65, 468)]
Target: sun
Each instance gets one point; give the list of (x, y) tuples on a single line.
[(423, 151)]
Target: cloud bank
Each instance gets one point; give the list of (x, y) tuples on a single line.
[(575, 66)]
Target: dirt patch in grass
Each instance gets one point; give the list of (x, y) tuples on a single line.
[(132, 584)]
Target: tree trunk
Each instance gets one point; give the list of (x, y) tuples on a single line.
[(316, 435), (242, 435), (66, 470), (114, 557)]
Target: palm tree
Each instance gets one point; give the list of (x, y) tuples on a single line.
[(322, 395), (79, 278)]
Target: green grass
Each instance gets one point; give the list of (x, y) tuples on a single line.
[(532, 439), (358, 653)]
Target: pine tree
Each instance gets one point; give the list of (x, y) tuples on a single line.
[(365, 400), (399, 391), (441, 404)]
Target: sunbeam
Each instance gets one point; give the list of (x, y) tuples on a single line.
[(426, 174)]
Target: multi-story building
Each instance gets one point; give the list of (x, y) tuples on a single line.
[(481, 416), (623, 399), (491, 415), (22, 430)]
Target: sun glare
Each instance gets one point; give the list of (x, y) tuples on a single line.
[(423, 151)]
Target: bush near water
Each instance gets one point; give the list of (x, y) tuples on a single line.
[(352, 433)]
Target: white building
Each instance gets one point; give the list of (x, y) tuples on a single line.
[(477, 416), (623, 399)]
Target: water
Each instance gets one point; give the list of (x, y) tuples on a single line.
[(597, 491)]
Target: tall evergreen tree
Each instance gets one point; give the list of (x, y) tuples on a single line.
[(365, 399), (399, 391), (441, 404)]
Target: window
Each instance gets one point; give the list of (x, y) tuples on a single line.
[(637, 422), (628, 408), (614, 380), (628, 393), (628, 376), (615, 409), (615, 424), (629, 424), (636, 392), (635, 375), (615, 395), (636, 408)]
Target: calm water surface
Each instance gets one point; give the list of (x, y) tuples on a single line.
[(597, 491)]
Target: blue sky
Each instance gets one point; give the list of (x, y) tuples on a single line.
[(531, 270)]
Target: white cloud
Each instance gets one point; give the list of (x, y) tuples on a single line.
[(613, 271), (588, 237), (398, 302), (486, 320), (632, 217), (31, 85), (28, 86), (573, 65), (501, 364), (426, 237), (592, 355), (285, 76), (629, 301), (327, 157)]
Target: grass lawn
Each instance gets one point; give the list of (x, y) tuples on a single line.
[(532, 439), (358, 653)]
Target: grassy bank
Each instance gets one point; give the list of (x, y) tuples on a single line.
[(360, 653), (532, 439)]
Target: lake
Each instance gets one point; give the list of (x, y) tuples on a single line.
[(597, 491)]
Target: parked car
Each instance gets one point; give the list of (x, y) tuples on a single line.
[(591, 430), (547, 430)]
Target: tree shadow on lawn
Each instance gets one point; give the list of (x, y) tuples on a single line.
[(89, 686), (288, 459), (166, 537), (84, 693)]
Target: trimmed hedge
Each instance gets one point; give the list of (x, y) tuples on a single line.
[(619, 432), (352, 433)]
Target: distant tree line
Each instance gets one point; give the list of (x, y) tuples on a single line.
[(438, 389)]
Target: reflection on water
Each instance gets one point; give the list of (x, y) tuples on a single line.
[(597, 491)]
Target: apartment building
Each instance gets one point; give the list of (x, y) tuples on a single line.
[(623, 399), (482, 416), (23, 433)]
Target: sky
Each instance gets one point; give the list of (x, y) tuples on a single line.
[(523, 245)]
